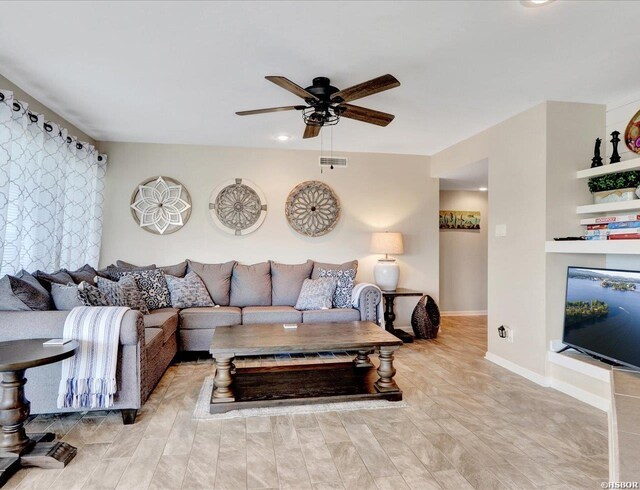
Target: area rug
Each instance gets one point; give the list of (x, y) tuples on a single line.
[(201, 411)]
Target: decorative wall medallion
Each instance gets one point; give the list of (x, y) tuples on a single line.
[(312, 208), (238, 206), (161, 205), (632, 133)]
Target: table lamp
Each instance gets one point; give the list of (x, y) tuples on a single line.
[(386, 271)]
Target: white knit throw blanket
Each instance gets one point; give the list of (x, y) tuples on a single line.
[(89, 377)]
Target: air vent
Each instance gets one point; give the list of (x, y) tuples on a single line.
[(333, 162)]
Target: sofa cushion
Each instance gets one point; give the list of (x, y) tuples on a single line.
[(165, 319), (316, 294), (210, 317), (85, 273), (123, 293), (177, 270), (59, 277), (346, 281), (216, 277), (336, 267), (153, 339), (270, 314), (333, 315), (66, 297), (251, 285), (188, 291), (286, 282), (20, 295)]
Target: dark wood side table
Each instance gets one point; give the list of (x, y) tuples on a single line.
[(17, 449), (389, 314)]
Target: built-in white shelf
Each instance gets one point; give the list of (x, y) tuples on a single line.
[(609, 169), (625, 247), (582, 363), (609, 207)]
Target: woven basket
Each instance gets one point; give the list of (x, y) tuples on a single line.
[(425, 319)]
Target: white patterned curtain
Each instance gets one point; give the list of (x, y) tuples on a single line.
[(51, 193)]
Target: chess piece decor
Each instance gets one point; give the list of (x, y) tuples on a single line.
[(596, 161), (615, 139)]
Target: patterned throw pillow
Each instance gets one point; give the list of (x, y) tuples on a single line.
[(316, 294), (90, 295), (123, 293), (188, 292), (346, 280), (153, 286)]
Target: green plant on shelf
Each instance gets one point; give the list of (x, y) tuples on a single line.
[(610, 182)]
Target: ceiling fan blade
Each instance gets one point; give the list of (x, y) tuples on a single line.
[(272, 109), (366, 115), (287, 84), (311, 131), (380, 84)]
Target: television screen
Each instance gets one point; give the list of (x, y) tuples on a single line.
[(602, 313)]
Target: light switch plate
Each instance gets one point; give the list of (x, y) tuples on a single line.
[(501, 230)]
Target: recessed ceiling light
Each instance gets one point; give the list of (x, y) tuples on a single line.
[(282, 137), (535, 3), (482, 189)]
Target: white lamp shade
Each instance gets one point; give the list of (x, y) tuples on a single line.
[(387, 242)]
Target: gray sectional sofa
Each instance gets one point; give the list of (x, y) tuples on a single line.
[(262, 293)]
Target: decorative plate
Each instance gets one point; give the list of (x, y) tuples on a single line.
[(238, 206), (632, 133), (161, 205), (312, 208)]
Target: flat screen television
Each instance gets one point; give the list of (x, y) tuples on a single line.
[(602, 314)]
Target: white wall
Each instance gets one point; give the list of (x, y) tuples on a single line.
[(377, 192), (38, 107), (463, 256)]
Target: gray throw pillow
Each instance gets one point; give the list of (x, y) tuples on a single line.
[(58, 277), (25, 276), (85, 273), (251, 285), (66, 297), (316, 294), (177, 270), (188, 291), (216, 278), (123, 293), (346, 280), (337, 267), (90, 295), (286, 282), (19, 295)]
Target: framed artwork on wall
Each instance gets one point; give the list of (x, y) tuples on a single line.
[(459, 220), (238, 206)]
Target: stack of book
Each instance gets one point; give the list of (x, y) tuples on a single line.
[(625, 227)]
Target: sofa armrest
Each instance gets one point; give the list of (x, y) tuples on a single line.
[(16, 325), (368, 303)]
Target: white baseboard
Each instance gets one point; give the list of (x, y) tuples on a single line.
[(464, 313), (515, 368), (582, 395), (566, 388)]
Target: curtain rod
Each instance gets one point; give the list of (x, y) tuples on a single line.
[(48, 127)]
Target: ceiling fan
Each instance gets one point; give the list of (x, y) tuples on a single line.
[(326, 104)]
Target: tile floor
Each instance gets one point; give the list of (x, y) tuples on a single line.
[(470, 424)]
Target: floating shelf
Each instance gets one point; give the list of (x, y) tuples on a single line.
[(625, 247), (609, 169), (609, 207)]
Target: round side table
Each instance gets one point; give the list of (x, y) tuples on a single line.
[(17, 449)]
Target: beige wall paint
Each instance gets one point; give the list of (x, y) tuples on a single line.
[(532, 162), (463, 256), (37, 106), (377, 192)]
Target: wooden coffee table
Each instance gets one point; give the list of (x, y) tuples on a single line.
[(304, 383)]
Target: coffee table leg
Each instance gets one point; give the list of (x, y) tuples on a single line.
[(386, 371), (362, 359), (221, 391)]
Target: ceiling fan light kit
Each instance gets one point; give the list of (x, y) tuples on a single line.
[(326, 104)]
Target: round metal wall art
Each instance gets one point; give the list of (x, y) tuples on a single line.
[(312, 208), (161, 205), (238, 207)]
